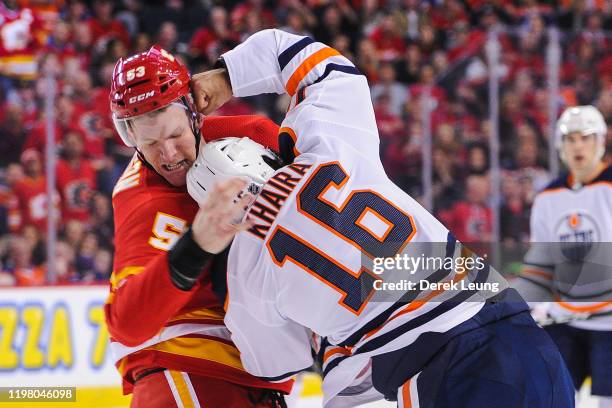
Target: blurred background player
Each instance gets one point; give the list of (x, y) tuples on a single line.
[(167, 332), (569, 261)]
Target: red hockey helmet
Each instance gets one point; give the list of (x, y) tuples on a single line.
[(144, 83)]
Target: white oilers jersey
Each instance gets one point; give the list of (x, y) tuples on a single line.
[(306, 269), (571, 251)]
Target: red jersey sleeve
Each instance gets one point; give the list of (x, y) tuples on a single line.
[(258, 128)]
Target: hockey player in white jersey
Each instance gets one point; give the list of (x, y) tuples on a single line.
[(317, 230), (570, 258)]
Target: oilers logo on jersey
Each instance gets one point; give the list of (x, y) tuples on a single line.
[(577, 231)]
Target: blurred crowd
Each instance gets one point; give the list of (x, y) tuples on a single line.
[(404, 47)]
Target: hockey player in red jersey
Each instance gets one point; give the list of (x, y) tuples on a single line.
[(165, 323)]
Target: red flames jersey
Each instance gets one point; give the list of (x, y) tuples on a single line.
[(32, 197), (76, 185), (151, 322), (21, 37)]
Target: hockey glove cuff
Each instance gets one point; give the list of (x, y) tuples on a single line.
[(186, 261)]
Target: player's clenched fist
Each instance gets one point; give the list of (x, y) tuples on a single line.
[(219, 217), (214, 227), (211, 89)]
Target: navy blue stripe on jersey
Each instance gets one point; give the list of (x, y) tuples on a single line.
[(559, 182), (283, 377), (286, 146), (605, 175), (286, 56), (418, 321), (563, 180), (329, 68), (301, 94), (379, 320), (333, 364)]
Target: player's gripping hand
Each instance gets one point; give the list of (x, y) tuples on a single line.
[(220, 216), (214, 226), (211, 89)]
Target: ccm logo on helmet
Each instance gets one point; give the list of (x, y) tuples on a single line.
[(141, 97)]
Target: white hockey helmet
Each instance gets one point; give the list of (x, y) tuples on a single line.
[(586, 120), (228, 158)]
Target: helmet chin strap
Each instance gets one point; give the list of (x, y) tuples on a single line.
[(193, 119)]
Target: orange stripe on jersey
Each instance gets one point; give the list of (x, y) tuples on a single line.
[(307, 66), (607, 183), (117, 277), (561, 189), (293, 136), (581, 309), (406, 395), (414, 305), (200, 348), (181, 389), (336, 350), (537, 272), (554, 190), (121, 366)]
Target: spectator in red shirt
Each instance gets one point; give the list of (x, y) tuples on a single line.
[(91, 115), (76, 178), (211, 41), (83, 42), (104, 27), (514, 213), (31, 192), (388, 40), (389, 123), (65, 118), (367, 59), (471, 220), (241, 10), (464, 42)]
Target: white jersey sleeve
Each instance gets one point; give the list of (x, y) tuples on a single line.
[(329, 95), (535, 279)]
